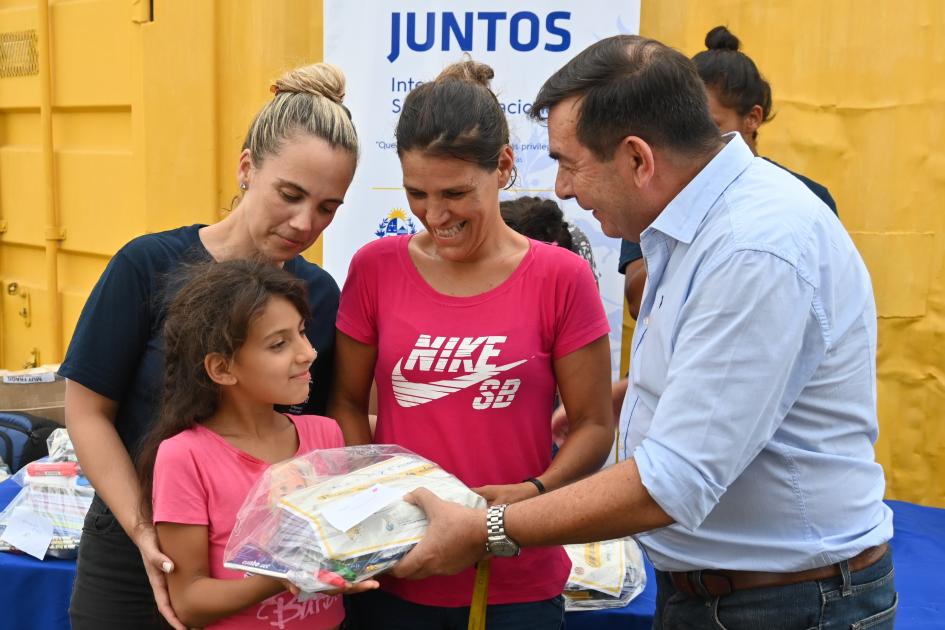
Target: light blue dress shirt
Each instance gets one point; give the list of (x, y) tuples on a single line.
[(751, 411)]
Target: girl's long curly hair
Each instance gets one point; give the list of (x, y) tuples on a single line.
[(211, 314)]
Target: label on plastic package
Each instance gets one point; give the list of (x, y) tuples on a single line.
[(348, 512), (387, 522), (600, 566), (29, 532)]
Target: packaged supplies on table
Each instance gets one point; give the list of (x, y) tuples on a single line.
[(604, 574), (337, 515), (54, 495)]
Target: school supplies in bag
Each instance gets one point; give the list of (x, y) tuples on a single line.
[(54, 495), (23, 438), (337, 515), (604, 574)]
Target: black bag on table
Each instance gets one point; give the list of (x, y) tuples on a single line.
[(23, 438)]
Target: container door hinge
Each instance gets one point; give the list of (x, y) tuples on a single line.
[(25, 311), (142, 11)]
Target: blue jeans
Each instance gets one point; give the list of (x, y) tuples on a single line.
[(857, 601), (382, 611)]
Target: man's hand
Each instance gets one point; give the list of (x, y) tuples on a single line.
[(157, 565), (509, 493), (455, 538)]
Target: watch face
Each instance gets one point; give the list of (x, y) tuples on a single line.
[(503, 547)]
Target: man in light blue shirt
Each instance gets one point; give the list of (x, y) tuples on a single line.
[(752, 482)]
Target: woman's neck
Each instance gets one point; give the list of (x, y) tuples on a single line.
[(229, 239), (475, 275)]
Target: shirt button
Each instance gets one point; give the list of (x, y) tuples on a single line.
[(646, 320)]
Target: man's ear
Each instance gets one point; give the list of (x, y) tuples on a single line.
[(218, 369), (505, 166), (635, 160)]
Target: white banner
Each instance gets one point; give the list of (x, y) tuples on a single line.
[(387, 48)]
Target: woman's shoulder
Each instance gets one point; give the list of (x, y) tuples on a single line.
[(552, 256), (381, 247), (312, 275), (156, 243), (159, 251)]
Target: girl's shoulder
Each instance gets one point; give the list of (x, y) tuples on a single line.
[(184, 444), (317, 432)]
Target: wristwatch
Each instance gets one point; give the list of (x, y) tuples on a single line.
[(497, 542)]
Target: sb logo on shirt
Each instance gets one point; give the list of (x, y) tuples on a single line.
[(454, 355)]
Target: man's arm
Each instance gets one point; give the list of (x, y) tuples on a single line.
[(611, 504)]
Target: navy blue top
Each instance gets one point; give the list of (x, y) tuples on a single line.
[(630, 251), (117, 349)]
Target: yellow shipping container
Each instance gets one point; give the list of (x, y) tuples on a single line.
[(139, 130), (133, 121)]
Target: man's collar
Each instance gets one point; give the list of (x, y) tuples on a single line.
[(682, 216)]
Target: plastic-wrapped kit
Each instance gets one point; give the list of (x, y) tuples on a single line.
[(337, 515), (55, 489), (604, 574)]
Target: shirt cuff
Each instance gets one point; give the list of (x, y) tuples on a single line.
[(676, 485)]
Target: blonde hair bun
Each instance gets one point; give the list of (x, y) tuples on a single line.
[(469, 71), (318, 79)]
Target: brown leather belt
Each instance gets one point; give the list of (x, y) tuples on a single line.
[(721, 582)]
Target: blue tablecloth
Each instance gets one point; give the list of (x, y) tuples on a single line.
[(34, 595)]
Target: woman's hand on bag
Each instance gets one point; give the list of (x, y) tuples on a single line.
[(157, 565), (508, 493)]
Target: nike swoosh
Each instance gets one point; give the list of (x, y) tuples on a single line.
[(410, 394)]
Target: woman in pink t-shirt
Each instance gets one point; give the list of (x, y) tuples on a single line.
[(467, 329), (235, 346)]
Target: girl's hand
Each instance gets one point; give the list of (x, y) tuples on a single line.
[(347, 589), (356, 587), (156, 564), (509, 493)]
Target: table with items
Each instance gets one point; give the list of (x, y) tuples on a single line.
[(34, 595)]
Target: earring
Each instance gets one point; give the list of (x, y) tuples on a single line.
[(243, 186)]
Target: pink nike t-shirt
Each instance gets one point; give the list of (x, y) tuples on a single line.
[(201, 479), (468, 382)]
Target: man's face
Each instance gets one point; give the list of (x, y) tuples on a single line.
[(595, 184)]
